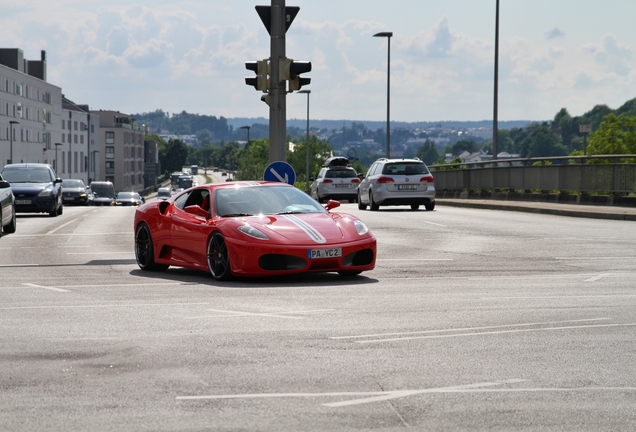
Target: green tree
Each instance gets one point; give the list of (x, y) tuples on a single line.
[(615, 135), (174, 155), (427, 152)]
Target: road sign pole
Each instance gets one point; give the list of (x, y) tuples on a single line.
[(277, 105)]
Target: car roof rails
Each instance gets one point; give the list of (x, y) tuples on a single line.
[(337, 161)]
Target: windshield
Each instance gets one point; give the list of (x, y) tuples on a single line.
[(27, 175), (265, 200), (103, 191), (349, 173), (72, 184), (405, 168), (125, 195)]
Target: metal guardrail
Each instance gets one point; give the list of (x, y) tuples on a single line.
[(613, 174)]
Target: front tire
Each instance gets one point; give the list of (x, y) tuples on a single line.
[(145, 250), (372, 204), (361, 205), (219, 258), (430, 207), (10, 229)]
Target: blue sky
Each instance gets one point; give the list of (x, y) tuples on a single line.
[(136, 56)]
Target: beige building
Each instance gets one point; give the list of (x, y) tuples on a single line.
[(121, 144), (30, 110), (78, 151)]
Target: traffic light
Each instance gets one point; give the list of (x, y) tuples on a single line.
[(290, 70), (261, 80)]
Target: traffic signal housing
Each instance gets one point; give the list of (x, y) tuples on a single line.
[(261, 80), (290, 70)]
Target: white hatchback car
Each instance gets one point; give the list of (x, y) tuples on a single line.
[(397, 182), (336, 180)]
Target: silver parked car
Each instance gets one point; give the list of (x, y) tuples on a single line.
[(335, 180), (397, 182), (7, 208)]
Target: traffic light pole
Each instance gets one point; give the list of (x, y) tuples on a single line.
[(277, 93)]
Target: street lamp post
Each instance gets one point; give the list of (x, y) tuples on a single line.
[(11, 122), (388, 36), (247, 150), (307, 92), (56, 146)]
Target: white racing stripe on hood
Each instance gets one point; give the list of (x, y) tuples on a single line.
[(311, 231)]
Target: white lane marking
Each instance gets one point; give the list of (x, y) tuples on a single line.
[(596, 278), (467, 328), (103, 306), (45, 287), (415, 259), (92, 234), (375, 394), (595, 258), (433, 223), (497, 332), (228, 313), (98, 253), (402, 393), (19, 265), (60, 227)]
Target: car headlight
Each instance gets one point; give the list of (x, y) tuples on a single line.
[(252, 232), (45, 193), (360, 227)]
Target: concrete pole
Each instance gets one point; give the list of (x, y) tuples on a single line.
[(277, 94)]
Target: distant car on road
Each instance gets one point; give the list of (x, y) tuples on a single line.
[(7, 208), (128, 199), (163, 193), (335, 180), (74, 192), (103, 193), (397, 182), (35, 187)]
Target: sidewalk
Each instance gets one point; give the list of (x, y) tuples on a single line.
[(573, 210)]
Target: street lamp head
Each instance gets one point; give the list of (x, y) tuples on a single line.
[(14, 122), (245, 127), (383, 34), (304, 91)]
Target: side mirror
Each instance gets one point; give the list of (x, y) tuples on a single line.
[(4, 184), (332, 204), (197, 211), (57, 180)]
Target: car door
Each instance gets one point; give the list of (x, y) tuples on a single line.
[(189, 231), (6, 203), (364, 184)]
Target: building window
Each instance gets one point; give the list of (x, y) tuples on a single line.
[(110, 153), (92, 128), (63, 123), (75, 124), (75, 139), (110, 167), (81, 139), (110, 137)]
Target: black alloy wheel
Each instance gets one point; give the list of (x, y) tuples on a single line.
[(219, 257), (145, 250)]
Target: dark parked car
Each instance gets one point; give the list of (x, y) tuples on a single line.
[(35, 187), (7, 208), (74, 192)]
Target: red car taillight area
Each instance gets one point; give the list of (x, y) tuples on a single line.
[(327, 181), (427, 179), (385, 180), (355, 180)]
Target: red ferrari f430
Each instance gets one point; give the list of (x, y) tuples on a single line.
[(251, 229)]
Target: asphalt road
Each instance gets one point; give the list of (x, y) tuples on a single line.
[(472, 320)]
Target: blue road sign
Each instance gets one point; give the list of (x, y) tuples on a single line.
[(280, 172)]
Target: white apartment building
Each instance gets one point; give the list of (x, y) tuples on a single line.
[(78, 152), (30, 110)]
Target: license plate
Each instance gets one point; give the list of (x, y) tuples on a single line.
[(324, 253), (342, 185), (407, 187), (68, 198), (22, 202)]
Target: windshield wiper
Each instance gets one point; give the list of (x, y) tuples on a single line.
[(236, 214), (292, 212)]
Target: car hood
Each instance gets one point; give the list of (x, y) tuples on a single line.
[(305, 228), (72, 189), (28, 187)]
